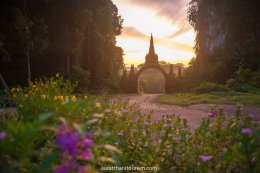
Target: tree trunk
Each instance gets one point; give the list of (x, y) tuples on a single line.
[(28, 67), (3, 82), (68, 65), (88, 48)]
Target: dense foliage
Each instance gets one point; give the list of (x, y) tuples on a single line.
[(41, 38), (244, 80), (227, 37), (54, 130), (209, 87)]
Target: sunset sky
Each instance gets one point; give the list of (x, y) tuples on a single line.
[(166, 19)]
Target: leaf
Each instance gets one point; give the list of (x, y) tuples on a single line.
[(116, 158), (47, 162), (111, 148), (84, 105), (106, 159), (45, 116), (92, 121)]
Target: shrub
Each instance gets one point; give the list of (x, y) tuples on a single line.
[(209, 87), (236, 86), (81, 77), (5, 100), (221, 144), (232, 83), (243, 75), (244, 80), (255, 80), (43, 96), (49, 125)]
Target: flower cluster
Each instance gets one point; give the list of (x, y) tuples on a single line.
[(146, 123), (125, 111), (212, 114), (2, 135), (73, 147), (15, 90), (65, 98), (205, 158), (247, 131), (121, 133)]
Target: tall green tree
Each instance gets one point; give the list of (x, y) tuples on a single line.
[(43, 37), (22, 35), (227, 37)]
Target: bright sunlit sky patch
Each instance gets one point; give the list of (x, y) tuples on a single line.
[(166, 19)]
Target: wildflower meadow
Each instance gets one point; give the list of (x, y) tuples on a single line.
[(55, 130)]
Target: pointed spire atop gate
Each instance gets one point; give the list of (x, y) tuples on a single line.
[(151, 49), (151, 58)]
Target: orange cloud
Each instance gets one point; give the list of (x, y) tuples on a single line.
[(173, 10), (173, 35), (131, 32)]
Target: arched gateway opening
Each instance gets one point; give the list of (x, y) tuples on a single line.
[(131, 83), (151, 80)]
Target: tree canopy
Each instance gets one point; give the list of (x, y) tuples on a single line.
[(43, 37), (227, 37)]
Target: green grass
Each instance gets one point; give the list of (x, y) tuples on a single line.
[(186, 99)]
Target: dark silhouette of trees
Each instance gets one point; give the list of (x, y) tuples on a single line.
[(22, 38), (41, 38), (227, 37)]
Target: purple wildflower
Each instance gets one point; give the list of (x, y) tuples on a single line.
[(146, 123), (86, 154), (205, 158), (116, 143), (212, 114), (2, 135), (82, 169), (70, 142), (62, 169), (87, 143), (121, 133), (125, 111), (89, 135), (67, 167), (67, 140), (167, 125), (247, 131)]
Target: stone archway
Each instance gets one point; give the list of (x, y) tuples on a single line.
[(130, 84), (146, 67)]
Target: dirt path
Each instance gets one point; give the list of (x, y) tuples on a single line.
[(193, 113)]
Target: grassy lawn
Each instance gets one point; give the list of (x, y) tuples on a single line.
[(186, 99)]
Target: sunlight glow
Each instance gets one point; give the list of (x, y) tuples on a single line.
[(142, 22), (147, 22), (186, 38)]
